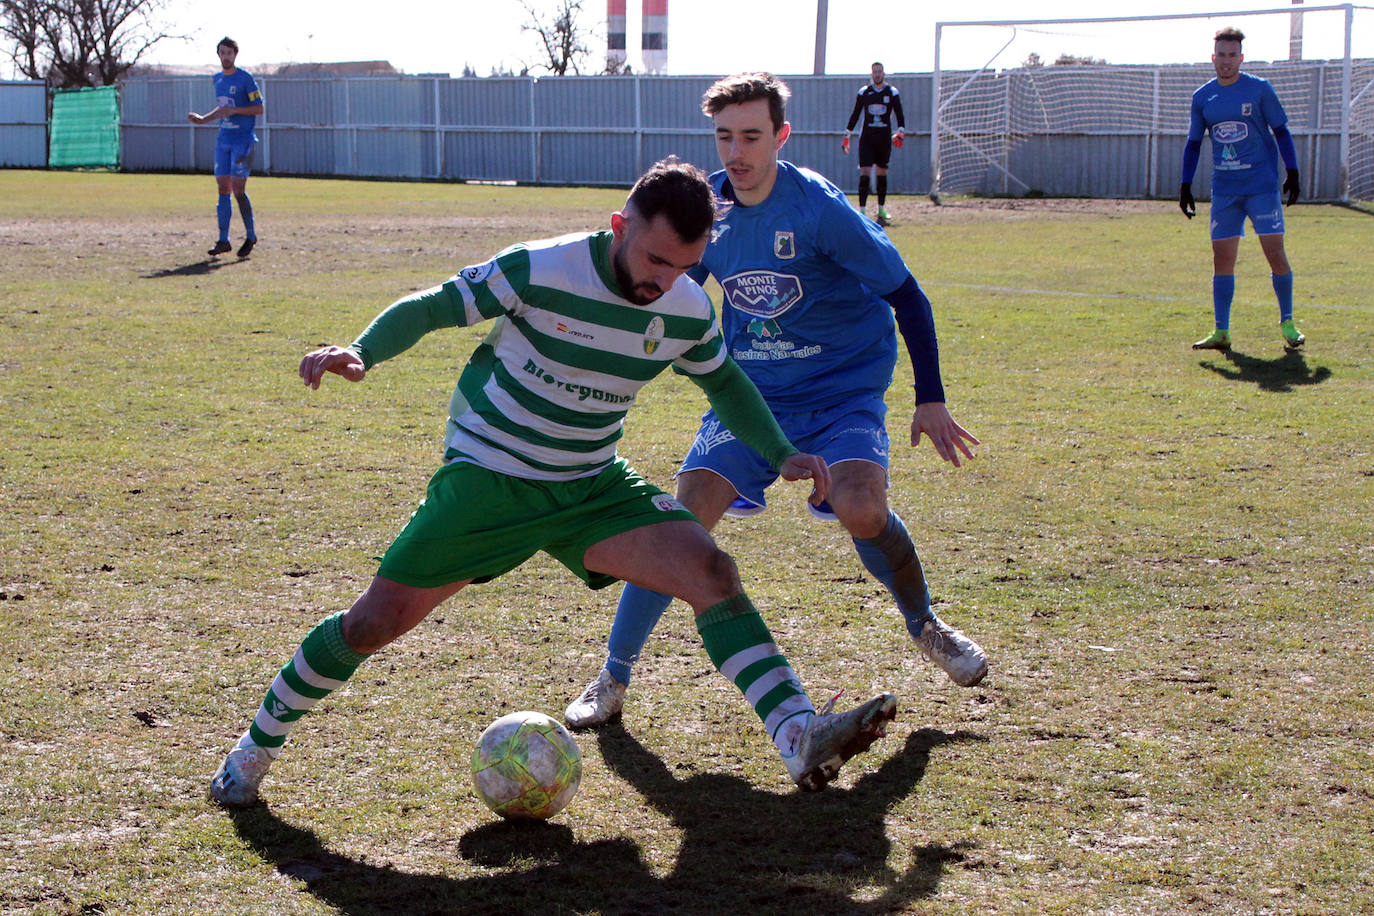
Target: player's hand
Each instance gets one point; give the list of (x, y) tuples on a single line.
[(1291, 187), (898, 139), (1185, 200), (194, 118), (802, 466), (331, 359), (948, 437), (844, 144)]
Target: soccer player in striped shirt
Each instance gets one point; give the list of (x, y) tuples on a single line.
[(1240, 112), (582, 323)]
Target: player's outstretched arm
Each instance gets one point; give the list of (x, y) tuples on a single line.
[(949, 438), (338, 360), (801, 466)]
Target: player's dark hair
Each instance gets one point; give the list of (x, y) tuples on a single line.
[(679, 191), (1230, 33), (876, 63), (745, 87), (226, 40)]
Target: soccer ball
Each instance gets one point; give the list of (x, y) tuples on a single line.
[(526, 766)]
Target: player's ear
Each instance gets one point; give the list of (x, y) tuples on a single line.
[(784, 133), (618, 224)]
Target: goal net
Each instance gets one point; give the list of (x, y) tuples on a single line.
[(1099, 107)]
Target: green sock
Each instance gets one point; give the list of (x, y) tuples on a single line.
[(742, 649), (320, 666)]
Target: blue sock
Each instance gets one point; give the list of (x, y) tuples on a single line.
[(1223, 291), (891, 558), (1283, 288), (246, 211), (223, 211), (635, 618)]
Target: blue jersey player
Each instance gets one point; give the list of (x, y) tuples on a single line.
[(238, 102), (810, 287), (1240, 112)]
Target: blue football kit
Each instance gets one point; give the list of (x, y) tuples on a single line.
[(234, 143), (1240, 119), (804, 277)]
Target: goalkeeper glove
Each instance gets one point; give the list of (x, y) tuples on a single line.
[(1185, 200), (1291, 188), (844, 144), (898, 139)]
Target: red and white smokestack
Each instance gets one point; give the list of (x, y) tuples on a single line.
[(654, 46), (616, 53)]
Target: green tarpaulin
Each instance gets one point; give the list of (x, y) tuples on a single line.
[(85, 128)]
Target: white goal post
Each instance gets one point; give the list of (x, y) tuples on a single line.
[(1098, 107)]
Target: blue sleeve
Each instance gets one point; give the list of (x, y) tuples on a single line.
[(1197, 126), (916, 321), (1192, 151), (1272, 108), (858, 245), (699, 274), (1286, 150)]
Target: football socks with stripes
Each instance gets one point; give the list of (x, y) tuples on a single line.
[(321, 665), (741, 647)]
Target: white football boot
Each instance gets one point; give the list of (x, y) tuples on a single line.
[(235, 783), (832, 738), (601, 702), (961, 658)]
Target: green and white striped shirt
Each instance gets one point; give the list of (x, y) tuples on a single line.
[(544, 395)]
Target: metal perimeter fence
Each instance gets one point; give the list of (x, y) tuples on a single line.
[(605, 130)]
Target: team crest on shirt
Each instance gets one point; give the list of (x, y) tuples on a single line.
[(653, 335), (476, 273), (1245, 109), (784, 244)]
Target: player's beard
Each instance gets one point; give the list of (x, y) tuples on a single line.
[(638, 293)]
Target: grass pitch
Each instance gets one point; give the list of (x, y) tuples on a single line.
[(1167, 555)]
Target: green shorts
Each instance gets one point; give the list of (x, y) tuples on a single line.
[(477, 524)]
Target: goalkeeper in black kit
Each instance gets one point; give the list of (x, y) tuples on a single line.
[(879, 104)]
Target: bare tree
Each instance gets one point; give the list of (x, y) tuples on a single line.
[(562, 40), (75, 43)]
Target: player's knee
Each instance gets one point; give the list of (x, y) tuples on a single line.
[(721, 572)]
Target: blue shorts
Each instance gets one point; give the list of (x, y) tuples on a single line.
[(850, 432), (1228, 215), (233, 158)]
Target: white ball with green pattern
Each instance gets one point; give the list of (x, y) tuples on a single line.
[(526, 766)]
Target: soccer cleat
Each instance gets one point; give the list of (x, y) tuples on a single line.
[(1217, 340), (236, 782), (220, 248), (601, 702), (832, 738), (961, 658), (884, 218), (247, 247), (1292, 337)]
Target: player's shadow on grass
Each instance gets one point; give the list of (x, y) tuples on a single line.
[(1282, 374), (793, 852), (194, 269), (742, 849)]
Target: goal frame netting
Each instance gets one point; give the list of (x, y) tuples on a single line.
[(984, 145)]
